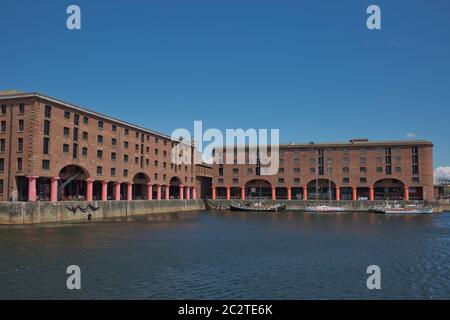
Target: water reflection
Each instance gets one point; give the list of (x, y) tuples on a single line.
[(228, 255)]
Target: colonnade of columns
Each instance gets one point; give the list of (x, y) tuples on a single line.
[(305, 193), (185, 192)]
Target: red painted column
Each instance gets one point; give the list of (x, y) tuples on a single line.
[(129, 191), (354, 194), (104, 190), (54, 189), (32, 188), (274, 195), (289, 193), (406, 191), (214, 193), (242, 193), (228, 193), (149, 191), (371, 193), (181, 192), (89, 189), (167, 192), (194, 193), (338, 193), (188, 193), (158, 192), (305, 192), (116, 190)]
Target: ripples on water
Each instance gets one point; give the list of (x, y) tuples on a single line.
[(230, 256)]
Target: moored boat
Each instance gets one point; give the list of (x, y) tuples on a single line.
[(399, 209), (324, 209), (257, 207)]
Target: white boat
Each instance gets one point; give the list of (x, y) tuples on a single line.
[(397, 208), (322, 209)]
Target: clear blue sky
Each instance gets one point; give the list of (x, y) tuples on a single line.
[(310, 68)]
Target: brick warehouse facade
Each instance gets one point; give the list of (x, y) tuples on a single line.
[(51, 150), (357, 170)]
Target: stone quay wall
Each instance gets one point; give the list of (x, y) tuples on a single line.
[(48, 212)]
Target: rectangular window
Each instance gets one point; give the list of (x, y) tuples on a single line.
[(362, 180), (2, 164), (136, 160), (297, 181), (21, 125), (113, 172), (100, 124), (75, 134), (84, 151), (3, 126), (388, 170), (66, 131), (85, 120), (46, 164), (125, 172), (346, 169), (2, 145), (76, 119), (21, 108), (415, 150), (85, 135), (312, 170), (114, 141), (126, 132), (125, 144), (45, 148), (125, 157), (235, 171), (249, 171), (280, 170), (156, 163), (345, 180), (99, 153), (48, 111), (296, 170), (74, 151), (379, 170), (113, 156), (398, 169), (362, 169), (1, 186), (156, 151), (46, 127), (65, 147), (235, 180), (100, 139), (99, 170), (67, 114), (3, 109), (362, 160), (415, 169), (20, 145), (296, 160), (280, 180), (114, 128), (19, 164)]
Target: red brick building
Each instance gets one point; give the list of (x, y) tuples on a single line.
[(357, 170), (51, 150)]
